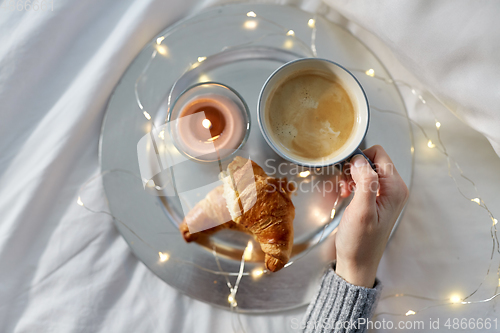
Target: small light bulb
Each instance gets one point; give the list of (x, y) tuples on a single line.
[(251, 14), (499, 282), (304, 174), (161, 135), (79, 201), (163, 256), (332, 214), (413, 91), (476, 200), (250, 24), (257, 273), (231, 300), (430, 144), (410, 313), (311, 23), (206, 123), (247, 254), (455, 299), (495, 221), (290, 33), (159, 40), (147, 115), (438, 124), (288, 44), (200, 59), (370, 72), (412, 149), (203, 78), (162, 49)]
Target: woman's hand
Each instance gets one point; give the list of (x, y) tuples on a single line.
[(367, 222)]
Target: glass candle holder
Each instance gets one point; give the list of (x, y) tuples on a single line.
[(209, 121)]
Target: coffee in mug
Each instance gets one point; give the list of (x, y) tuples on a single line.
[(313, 112), (310, 114)]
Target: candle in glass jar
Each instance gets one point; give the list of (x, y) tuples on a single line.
[(210, 122)]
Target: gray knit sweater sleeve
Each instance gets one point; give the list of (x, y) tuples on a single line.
[(340, 306)]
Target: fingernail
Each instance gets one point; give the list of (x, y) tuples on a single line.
[(359, 161)]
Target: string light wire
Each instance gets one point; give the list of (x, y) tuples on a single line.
[(372, 74), (450, 161)]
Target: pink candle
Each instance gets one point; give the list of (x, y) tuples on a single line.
[(207, 122)]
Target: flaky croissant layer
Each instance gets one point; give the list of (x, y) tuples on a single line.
[(257, 204)]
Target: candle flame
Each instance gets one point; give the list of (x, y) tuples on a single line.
[(206, 123)]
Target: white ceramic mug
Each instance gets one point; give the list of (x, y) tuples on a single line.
[(352, 87)]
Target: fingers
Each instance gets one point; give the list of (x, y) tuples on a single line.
[(366, 181), (344, 182), (385, 167), (392, 185)]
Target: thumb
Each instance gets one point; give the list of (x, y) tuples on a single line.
[(366, 180)]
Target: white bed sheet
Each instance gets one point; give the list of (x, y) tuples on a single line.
[(64, 269)]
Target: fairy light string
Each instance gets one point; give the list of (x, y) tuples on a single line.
[(159, 47), (164, 256), (477, 199)]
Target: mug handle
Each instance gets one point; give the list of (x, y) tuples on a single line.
[(358, 152)]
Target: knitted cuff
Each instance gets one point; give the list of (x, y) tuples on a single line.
[(340, 306)]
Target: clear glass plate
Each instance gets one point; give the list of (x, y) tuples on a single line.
[(239, 46)]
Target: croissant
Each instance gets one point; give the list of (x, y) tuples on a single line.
[(263, 206), (210, 211), (253, 203)]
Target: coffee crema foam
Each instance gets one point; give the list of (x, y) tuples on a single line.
[(311, 115)]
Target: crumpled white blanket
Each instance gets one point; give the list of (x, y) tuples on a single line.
[(452, 48), (64, 269)]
